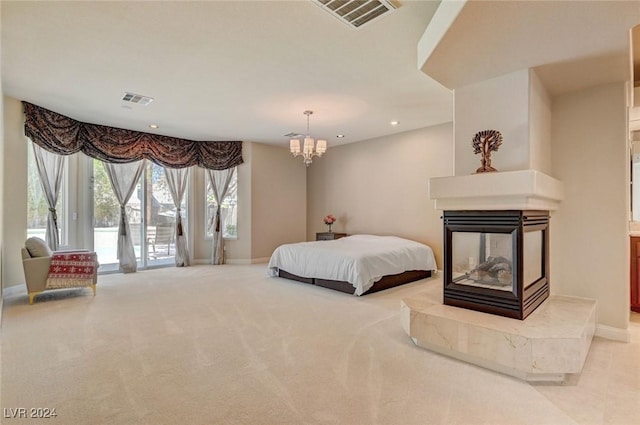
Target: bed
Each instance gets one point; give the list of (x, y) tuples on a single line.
[(355, 264)]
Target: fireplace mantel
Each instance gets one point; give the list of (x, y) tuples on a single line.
[(507, 190)]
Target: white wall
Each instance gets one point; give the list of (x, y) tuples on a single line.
[(380, 186), (501, 104), (517, 105), (1, 174), (278, 200), (14, 202), (589, 240), (539, 125)]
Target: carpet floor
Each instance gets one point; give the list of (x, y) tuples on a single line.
[(229, 345)]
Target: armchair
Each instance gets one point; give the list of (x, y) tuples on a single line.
[(47, 270)]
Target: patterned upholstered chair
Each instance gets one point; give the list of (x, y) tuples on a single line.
[(48, 270)]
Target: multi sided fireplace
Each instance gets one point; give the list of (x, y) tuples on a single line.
[(496, 261)]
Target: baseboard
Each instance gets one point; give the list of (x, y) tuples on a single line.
[(237, 261), (200, 262), (248, 261), (615, 334), (260, 260), (13, 290), (9, 292)]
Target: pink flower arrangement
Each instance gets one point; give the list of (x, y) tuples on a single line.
[(330, 219)]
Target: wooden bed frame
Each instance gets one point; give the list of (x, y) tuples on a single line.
[(386, 282)]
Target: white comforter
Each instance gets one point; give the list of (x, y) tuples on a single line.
[(359, 259)]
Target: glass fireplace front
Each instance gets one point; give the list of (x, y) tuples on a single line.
[(496, 261), (483, 260)]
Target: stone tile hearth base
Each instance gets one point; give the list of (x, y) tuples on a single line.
[(549, 344)]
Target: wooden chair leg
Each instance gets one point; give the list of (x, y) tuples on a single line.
[(32, 295), (93, 287)]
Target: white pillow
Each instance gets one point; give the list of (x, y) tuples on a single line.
[(37, 247)]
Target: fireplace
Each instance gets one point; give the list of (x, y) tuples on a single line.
[(496, 261)]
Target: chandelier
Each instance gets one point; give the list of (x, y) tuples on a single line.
[(310, 147)]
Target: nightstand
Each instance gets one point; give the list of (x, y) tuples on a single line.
[(329, 236)]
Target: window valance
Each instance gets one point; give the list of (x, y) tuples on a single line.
[(65, 136)]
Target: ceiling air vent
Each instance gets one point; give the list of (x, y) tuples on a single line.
[(356, 13), (137, 98)]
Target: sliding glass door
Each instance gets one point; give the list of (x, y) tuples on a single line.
[(151, 215), (159, 217)]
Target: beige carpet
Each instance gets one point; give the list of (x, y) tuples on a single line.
[(228, 345)]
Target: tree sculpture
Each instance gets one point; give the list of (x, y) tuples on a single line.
[(485, 142)]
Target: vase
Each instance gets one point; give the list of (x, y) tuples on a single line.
[(329, 226)]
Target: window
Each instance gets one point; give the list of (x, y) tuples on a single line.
[(229, 211), (37, 207)]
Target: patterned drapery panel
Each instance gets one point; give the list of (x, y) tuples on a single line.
[(65, 136)]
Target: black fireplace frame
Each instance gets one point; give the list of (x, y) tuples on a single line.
[(521, 301)]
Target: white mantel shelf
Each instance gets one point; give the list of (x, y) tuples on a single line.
[(507, 190)]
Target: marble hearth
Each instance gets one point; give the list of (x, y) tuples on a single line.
[(551, 343)]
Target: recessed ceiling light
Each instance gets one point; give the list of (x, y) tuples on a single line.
[(394, 123), (154, 126), (340, 136)]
